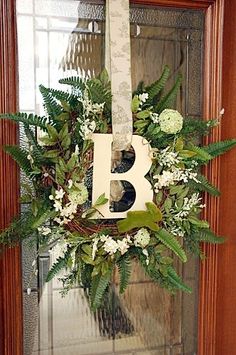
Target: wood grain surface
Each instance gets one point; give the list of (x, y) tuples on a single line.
[(10, 261), (226, 290)]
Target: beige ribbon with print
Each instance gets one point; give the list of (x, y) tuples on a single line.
[(118, 64)]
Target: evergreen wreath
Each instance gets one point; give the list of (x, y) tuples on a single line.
[(58, 166)]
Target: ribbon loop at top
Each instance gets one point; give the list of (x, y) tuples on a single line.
[(118, 64)]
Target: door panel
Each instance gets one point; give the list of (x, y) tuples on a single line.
[(60, 43)]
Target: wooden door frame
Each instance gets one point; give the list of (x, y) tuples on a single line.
[(11, 332), (11, 324)]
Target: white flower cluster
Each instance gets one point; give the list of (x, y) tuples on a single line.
[(29, 156), (142, 238), (176, 230), (143, 97), (44, 230), (168, 158), (170, 177), (111, 246), (154, 117), (181, 214), (76, 197), (188, 205), (89, 107), (87, 128), (171, 121)]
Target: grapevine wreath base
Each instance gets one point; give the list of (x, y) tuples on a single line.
[(59, 163)]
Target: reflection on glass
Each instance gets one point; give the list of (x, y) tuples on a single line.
[(55, 42)]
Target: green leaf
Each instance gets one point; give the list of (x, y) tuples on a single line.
[(60, 175), (138, 219), (66, 142), (143, 114), (87, 259), (52, 132), (63, 132), (159, 197), (62, 165), (184, 193), (172, 243), (135, 104), (101, 200), (104, 77), (47, 141), (72, 162), (179, 144), (65, 105), (178, 189), (140, 124), (34, 207), (167, 204), (52, 153), (87, 249), (187, 153), (166, 260)]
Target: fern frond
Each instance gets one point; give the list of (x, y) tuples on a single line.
[(204, 185), (61, 95), (172, 243), (20, 156), (218, 148), (18, 230), (37, 149), (51, 105), (44, 215), (98, 287), (169, 99), (202, 154), (59, 264), (155, 88), (124, 267), (207, 236), (75, 81), (28, 119), (176, 281), (98, 92)]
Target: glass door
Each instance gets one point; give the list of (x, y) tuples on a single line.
[(60, 38)]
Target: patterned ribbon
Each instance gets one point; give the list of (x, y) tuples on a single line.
[(118, 64)]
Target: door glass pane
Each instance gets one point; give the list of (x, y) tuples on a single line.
[(60, 38)]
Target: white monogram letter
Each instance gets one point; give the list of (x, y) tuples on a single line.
[(102, 175)]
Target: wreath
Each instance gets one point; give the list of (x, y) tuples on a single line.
[(58, 165)]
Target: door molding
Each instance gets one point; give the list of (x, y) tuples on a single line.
[(11, 324), (11, 319)]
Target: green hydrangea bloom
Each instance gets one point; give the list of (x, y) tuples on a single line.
[(171, 121)]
